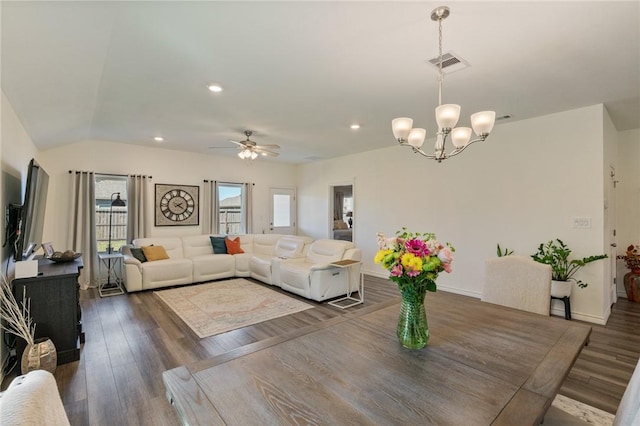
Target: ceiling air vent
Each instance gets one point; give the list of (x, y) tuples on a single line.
[(450, 63)]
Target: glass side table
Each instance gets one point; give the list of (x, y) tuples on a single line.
[(111, 285)]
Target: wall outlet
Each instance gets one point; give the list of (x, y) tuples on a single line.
[(581, 222)]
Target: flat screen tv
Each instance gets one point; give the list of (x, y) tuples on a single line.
[(32, 215)]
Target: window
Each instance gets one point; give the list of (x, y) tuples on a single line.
[(231, 208), (107, 187)]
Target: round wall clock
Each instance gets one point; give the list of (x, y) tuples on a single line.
[(176, 205)]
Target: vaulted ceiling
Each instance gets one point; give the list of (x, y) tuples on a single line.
[(300, 73)]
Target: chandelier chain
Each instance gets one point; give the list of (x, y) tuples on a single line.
[(440, 74)]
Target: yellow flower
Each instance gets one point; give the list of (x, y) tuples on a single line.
[(411, 262), (381, 255)]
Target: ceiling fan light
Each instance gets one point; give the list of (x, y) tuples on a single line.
[(401, 128), (482, 122), (241, 154), (447, 116), (416, 137), (253, 155), (460, 136)]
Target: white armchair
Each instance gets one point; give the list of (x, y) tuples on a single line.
[(312, 276)]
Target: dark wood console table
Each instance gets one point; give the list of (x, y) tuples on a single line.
[(55, 306)]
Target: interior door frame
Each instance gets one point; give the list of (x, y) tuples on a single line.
[(332, 185)]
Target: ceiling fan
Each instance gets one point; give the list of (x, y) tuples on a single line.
[(250, 150)]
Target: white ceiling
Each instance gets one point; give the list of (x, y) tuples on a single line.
[(299, 73)]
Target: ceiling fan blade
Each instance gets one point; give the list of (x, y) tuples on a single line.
[(221, 147), (272, 146), (236, 142), (266, 152)]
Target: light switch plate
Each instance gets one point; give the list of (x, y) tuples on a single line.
[(581, 222)]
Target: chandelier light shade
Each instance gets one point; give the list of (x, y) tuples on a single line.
[(447, 116)]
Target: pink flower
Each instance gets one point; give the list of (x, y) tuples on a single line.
[(396, 271), (416, 247), (413, 273), (446, 257)]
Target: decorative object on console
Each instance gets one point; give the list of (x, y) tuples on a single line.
[(632, 278), (176, 205), (63, 257), (447, 116), (48, 249), (414, 260)]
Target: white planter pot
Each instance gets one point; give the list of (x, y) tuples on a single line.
[(561, 288)]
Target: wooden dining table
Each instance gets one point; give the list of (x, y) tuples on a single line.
[(484, 365)]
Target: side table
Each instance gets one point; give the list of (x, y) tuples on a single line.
[(349, 301), (112, 262)]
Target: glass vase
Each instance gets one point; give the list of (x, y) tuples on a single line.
[(413, 330)]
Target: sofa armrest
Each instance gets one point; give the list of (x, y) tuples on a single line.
[(353, 254), (33, 399)]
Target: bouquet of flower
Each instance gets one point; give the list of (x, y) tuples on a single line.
[(414, 260), (631, 257)]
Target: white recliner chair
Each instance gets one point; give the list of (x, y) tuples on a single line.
[(287, 247), (313, 276)]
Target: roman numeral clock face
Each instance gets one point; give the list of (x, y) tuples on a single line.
[(176, 205)]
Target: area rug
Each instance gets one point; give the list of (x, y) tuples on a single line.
[(216, 307)]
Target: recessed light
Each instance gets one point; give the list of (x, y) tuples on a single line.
[(355, 126), (216, 88), (158, 138)]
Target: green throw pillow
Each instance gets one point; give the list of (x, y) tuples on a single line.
[(218, 244), (138, 254)]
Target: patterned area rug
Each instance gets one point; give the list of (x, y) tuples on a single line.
[(216, 307)]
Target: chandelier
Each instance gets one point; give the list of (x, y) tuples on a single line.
[(447, 116)]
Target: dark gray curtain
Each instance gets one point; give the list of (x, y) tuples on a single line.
[(82, 225)]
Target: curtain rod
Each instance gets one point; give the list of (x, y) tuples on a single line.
[(110, 174), (235, 183)]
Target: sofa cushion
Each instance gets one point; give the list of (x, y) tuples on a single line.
[(233, 246), (152, 253), (218, 244), (173, 246), (167, 272), (196, 245), (138, 254)]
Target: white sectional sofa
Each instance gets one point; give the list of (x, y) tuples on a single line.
[(265, 258)]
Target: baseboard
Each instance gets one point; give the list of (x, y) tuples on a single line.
[(559, 312)]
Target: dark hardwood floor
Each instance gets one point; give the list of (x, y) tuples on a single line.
[(132, 339)]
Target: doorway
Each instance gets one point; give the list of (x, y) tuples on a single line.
[(341, 212)]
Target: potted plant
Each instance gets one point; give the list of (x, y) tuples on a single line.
[(556, 253), (632, 278)]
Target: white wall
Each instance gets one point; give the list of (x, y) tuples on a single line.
[(519, 188), (166, 166), (627, 197)]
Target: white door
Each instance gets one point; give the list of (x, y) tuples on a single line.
[(282, 214)]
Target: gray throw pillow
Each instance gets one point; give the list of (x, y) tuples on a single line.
[(138, 254)]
